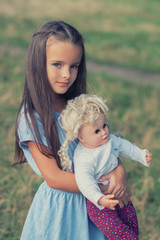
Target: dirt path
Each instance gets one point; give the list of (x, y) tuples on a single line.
[(127, 74)]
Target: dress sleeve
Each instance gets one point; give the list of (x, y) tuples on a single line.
[(25, 134)]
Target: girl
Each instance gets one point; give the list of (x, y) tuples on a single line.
[(95, 155), (55, 73)]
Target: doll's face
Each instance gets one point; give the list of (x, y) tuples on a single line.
[(94, 135)]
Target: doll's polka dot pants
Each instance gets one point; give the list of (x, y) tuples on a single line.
[(118, 224)]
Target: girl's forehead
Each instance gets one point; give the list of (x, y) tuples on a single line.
[(60, 50), (51, 40)]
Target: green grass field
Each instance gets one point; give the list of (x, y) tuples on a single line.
[(120, 33)]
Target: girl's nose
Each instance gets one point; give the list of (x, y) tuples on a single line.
[(66, 73)]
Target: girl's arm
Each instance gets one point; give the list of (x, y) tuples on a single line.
[(117, 184), (53, 175)]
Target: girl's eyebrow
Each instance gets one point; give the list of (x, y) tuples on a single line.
[(59, 61), (55, 60), (77, 63)]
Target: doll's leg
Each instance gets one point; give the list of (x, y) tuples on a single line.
[(109, 223), (128, 215)]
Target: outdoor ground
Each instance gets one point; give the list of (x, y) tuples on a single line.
[(122, 40)]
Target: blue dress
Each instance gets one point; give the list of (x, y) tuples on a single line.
[(54, 214)]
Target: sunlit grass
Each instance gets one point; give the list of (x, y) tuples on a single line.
[(134, 112), (123, 33)]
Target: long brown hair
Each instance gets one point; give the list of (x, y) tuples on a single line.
[(37, 95)]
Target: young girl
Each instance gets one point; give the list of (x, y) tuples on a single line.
[(95, 155), (55, 73)]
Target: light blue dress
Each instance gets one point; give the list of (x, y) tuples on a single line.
[(54, 214)]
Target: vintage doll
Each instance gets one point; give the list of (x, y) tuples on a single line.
[(95, 155)]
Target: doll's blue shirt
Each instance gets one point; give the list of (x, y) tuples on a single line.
[(54, 214)]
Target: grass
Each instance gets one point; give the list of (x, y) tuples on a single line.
[(134, 111), (124, 33), (137, 50)]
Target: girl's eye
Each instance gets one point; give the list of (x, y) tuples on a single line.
[(57, 65), (97, 131), (74, 66), (104, 125)]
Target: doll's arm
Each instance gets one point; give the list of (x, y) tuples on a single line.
[(53, 175), (130, 150), (85, 178), (117, 184)]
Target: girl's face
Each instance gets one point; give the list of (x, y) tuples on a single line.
[(94, 135), (62, 62)]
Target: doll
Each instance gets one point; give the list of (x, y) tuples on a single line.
[(95, 155)]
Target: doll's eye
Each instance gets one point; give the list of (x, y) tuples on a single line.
[(105, 125), (97, 131)]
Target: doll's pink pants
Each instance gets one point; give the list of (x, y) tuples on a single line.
[(117, 224)]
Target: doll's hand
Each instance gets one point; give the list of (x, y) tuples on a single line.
[(108, 201), (148, 158)]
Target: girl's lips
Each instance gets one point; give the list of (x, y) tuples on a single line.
[(63, 83)]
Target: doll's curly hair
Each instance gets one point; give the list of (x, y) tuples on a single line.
[(79, 111)]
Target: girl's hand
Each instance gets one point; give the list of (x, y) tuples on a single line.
[(117, 182), (117, 185), (148, 158), (108, 201), (125, 198)]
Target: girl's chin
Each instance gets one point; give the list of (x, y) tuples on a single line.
[(61, 92)]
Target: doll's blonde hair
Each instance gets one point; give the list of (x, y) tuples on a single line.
[(79, 111)]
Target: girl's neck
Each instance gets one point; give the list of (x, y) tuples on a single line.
[(59, 103)]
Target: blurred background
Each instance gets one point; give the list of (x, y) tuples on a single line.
[(122, 40)]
